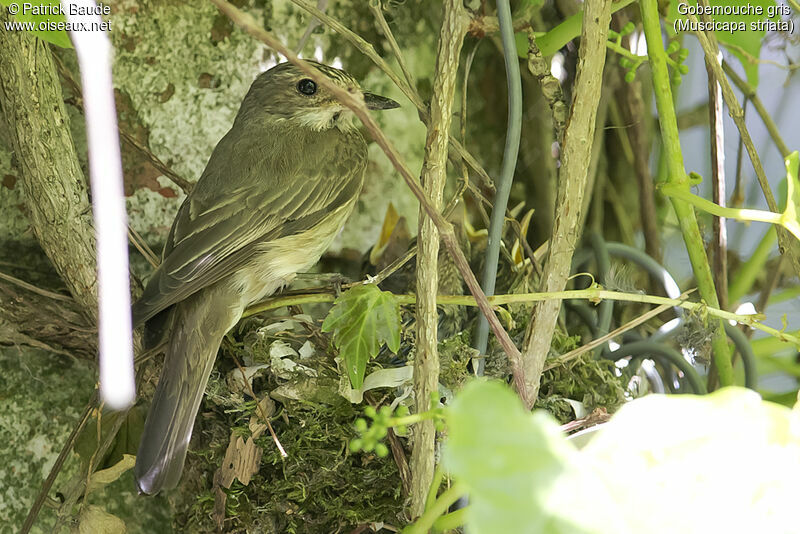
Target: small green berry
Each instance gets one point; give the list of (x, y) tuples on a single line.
[(673, 47), (630, 76), (683, 69), (361, 425), (628, 28), (370, 412), (381, 450), (356, 444)]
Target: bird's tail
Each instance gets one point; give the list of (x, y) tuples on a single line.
[(200, 322)]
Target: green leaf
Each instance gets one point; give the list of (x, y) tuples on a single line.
[(725, 462), (748, 39), (507, 458), (790, 217), (43, 21), (95, 520), (362, 320)]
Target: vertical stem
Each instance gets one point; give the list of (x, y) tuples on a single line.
[(426, 361), (578, 141), (717, 138), (510, 154), (677, 175)]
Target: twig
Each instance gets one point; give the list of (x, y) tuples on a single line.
[(142, 247), (751, 95), (56, 469), (39, 291), (176, 178), (571, 355), (356, 104), (717, 138), (572, 181), (592, 295), (377, 12), (259, 408)]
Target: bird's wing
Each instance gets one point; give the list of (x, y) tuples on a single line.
[(219, 226)]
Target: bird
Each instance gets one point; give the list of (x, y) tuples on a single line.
[(277, 189)]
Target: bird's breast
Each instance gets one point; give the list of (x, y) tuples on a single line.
[(276, 262)]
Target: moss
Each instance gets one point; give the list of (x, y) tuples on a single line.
[(592, 382), (320, 487)]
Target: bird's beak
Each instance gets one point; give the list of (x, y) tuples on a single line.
[(374, 101)]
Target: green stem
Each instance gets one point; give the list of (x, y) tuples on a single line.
[(438, 476), (451, 521), (438, 509), (554, 40), (510, 154), (677, 177), (740, 214), (593, 295)]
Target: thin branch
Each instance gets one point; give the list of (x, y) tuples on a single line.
[(719, 245), (593, 295), (752, 95), (377, 12), (259, 408), (571, 355), (39, 291), (59, 463), (142, 247)]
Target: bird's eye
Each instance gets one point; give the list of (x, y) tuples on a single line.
[(307, 86)]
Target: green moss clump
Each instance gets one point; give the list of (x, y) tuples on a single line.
[(587, 380), (320, 487)]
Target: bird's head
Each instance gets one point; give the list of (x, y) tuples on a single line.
[(287, 93)]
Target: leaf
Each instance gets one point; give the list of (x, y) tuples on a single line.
[(95, 520), (789, 218), (725, 462), (362, 320), (507, 458), (728, 461), (749, 40), (57, 37)]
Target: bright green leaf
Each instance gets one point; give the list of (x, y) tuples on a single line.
[(789, 218), (95, 520), (362, 319), (725, 462), (506, 458), (39, 24)]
